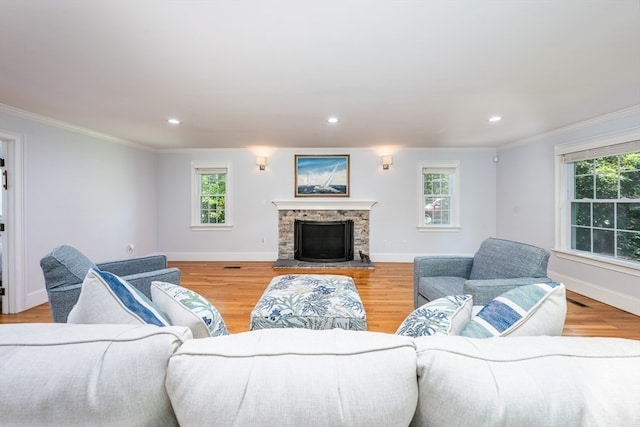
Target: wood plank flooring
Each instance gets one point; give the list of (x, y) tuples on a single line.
[(386, 292)]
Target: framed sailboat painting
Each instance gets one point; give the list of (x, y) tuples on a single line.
[(322, 175)]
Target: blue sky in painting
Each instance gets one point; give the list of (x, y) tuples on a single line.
[(314, 170)]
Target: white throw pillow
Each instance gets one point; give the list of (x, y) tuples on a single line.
[(537, 309), (446, 315), (185, 307), (106, 298)]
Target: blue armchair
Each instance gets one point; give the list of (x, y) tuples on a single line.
[(65, 267), (498, 266)]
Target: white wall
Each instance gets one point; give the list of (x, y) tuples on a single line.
[(83, 190), (394, 218), (526, 206)]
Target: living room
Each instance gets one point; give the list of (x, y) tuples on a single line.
[(143, 197), (467, 128)]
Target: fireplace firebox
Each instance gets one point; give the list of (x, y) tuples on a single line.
[(323, 241)]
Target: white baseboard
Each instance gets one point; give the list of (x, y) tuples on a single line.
[(619, 300), (221, 256), (33, 299), (267, 256), (391, 257)]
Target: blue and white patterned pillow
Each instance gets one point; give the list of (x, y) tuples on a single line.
[(185, 307), (106, 298), (443, 316), (537, 309)]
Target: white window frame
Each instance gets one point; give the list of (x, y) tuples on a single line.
[(563, 205), (197, 169), (454, 168)]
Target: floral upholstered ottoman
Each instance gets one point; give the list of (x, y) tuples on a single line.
[(311, 301)]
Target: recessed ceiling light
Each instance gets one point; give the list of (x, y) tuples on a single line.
[(174, 121), (494, 119), (333, 119)]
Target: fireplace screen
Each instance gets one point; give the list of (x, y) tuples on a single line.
[(323, 241)]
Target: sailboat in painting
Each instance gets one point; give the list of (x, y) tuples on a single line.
[(322, 175)]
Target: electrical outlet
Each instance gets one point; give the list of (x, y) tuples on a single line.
[(131, 247)]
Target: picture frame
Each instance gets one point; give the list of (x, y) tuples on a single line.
[(322, 175)]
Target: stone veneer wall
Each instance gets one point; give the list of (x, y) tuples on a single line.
[(287, 218)]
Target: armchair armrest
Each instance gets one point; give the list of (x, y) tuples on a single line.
[(142, 281), (437, 265), (141, 271), (137, 265), (484, 291)]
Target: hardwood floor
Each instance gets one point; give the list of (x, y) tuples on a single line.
[(386, 292)]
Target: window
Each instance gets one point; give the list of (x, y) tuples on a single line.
[(211, 204), (439, 197), (603, 201)]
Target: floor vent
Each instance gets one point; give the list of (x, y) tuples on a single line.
[(577, 302), (232, 267)]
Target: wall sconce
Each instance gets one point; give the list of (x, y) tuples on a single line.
[(386, 161), (261, 162)]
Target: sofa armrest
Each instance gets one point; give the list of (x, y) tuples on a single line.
[(437, 265), (484, 291), (136, 265)]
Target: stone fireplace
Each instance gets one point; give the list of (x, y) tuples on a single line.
[(321, 210)]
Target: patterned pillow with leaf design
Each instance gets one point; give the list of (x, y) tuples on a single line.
[(184, 307), (443, 316)]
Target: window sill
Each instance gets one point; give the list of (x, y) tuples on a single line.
[(620, 266), (439, 228), (209, 227)]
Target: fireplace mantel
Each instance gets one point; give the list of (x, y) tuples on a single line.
[(324, 205)]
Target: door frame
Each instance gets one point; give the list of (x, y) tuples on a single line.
[(13, 238)]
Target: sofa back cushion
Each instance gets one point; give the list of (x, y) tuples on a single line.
[(85, 375), (64, 265), (528, 381), (295, 377), (506, 259)]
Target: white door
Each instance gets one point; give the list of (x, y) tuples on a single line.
[(4, 306), (12, 238)]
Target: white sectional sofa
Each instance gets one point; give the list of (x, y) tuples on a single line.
[(128, 375)]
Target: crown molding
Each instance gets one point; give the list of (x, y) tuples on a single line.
[(69, 126)]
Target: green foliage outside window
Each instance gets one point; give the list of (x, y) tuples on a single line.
[(437, 198), (605, 213), (213, 198)]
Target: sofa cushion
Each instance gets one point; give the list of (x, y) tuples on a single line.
[(185, 307), (446, 315), (295, 377), (505, 259), (528, 381), (106, 298), (538, 309), (59, 374), (65, 265)]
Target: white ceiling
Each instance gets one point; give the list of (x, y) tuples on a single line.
[(268, 73)]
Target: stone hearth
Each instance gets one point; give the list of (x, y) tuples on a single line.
[(294, 263)]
